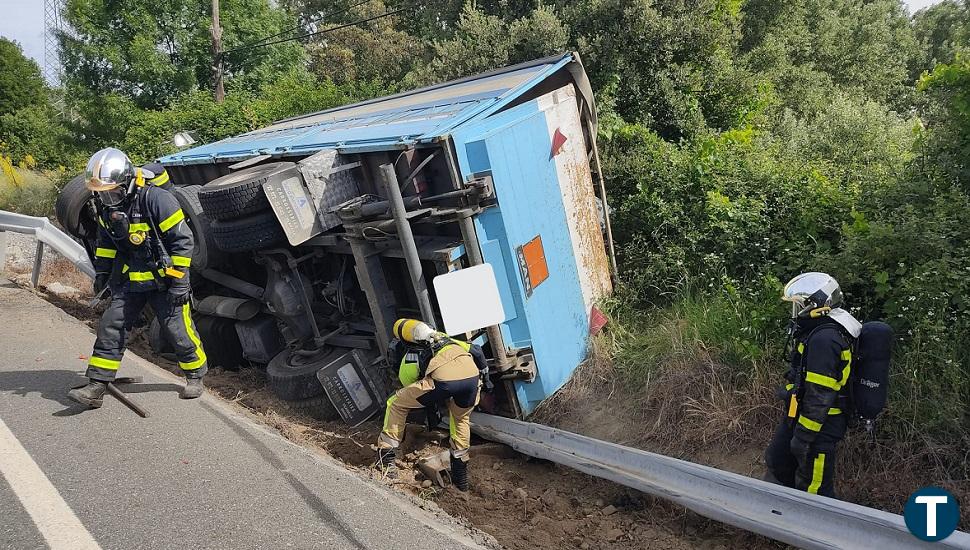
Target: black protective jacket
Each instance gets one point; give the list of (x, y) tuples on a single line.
[(821, 363), (156, 237)]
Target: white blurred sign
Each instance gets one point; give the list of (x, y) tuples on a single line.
[(469, 299)]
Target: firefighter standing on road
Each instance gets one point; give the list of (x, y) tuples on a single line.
[(435, 369), (143, 254), (803, 451)]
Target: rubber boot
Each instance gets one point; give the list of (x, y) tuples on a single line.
[(91, 395), (459, 474), (385, 463), (193, 388)]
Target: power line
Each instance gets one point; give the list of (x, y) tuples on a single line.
[(317, 33), (310, 22)]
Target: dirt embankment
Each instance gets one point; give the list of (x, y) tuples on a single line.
[(521, 502)]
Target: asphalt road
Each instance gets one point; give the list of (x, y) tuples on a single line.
[(195, 474)]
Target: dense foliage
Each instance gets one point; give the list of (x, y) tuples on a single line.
[(744, 141)]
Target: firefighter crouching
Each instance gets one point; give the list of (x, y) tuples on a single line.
[(144, 250), (434, 369), (803, 451)]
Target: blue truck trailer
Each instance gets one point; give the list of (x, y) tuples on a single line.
[(470, 204)]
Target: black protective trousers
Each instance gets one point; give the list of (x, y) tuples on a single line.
[(118, 319), (814, 473)]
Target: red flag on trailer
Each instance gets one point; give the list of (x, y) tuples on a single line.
[(558, 140)]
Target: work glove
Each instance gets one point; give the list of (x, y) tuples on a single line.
[(101, 282), (179, 290), (487, 385)]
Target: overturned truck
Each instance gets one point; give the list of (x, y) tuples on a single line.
[(470, 204)]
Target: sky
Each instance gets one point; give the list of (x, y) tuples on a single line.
[(23, 21)]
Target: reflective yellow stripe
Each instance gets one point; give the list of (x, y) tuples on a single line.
[(801, 348), (387, 416), (452, 430), (818, 468), (181, 261), (789, 386), (170, 221), (101, 222), (809, 424), (141, 276), (826, 381), (124, 268), (835, 410), (105, 252), (161, 179), (136, 227), (187, 319), (103, 363), (847, 357)]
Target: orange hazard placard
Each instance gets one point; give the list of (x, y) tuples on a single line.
[(532, 264)]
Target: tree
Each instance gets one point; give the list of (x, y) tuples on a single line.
[(483, 42), (807, 48), (941, 30), (152, 52), (667, 64), (379, 52), (21, 83)]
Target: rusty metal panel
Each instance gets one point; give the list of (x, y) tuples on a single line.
[(576, 184)]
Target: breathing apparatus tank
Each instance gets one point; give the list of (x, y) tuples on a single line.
[(870, 374)]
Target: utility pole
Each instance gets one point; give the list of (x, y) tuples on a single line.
[(217, 66)]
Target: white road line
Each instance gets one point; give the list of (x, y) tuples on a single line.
[(54, 518)]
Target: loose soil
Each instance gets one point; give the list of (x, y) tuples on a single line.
[(521, 502)]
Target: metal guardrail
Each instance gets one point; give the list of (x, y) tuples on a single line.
[(784, 514), (46, 233)]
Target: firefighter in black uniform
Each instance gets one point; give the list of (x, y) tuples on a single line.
[(143, 255), (802, 453)]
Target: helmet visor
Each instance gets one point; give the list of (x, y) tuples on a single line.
[(112, 196), (812, 290)]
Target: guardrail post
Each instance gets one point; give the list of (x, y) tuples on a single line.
[(3, 251), (38, 259)]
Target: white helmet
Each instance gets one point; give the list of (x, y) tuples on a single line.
[(109, 174), (812, 294)]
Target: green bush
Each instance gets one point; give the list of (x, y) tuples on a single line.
[(31, 193)]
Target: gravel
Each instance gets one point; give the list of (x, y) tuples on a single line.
[(20, 250)]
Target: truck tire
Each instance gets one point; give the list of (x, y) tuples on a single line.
[(205, 252), (241, 193), (319, 408), (71, 210), (254, 232), (293, 377)]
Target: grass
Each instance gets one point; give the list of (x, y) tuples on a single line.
[(27, 192)]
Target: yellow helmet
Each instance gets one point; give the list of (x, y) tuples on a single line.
[(414, 331)]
